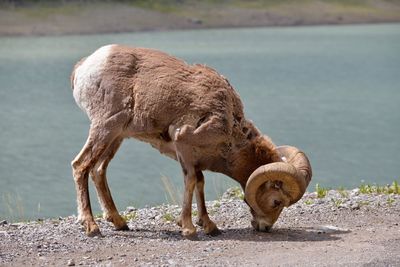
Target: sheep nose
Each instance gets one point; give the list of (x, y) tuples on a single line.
[(277, 203), (265, 228), (260, 226)]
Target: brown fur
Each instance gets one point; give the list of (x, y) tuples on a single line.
[(188, 112)]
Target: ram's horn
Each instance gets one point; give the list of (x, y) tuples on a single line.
[(294, 173)]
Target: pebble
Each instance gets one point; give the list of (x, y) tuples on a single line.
[(71, 262)]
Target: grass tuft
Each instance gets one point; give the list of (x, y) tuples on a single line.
[(377, 189), (129, 216), (168, 217), (172, 194), (309, 202), (321, 191)]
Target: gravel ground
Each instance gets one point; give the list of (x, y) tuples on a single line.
[(345, 228)]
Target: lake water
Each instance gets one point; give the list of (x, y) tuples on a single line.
[(333, 91)]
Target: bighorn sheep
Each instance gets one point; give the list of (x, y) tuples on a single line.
[(188, 112)]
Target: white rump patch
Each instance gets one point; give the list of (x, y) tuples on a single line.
[(88, 76)]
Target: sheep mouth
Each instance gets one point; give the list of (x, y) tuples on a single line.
[(261, 227)]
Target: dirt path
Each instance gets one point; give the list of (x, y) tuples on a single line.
[(342, 229)]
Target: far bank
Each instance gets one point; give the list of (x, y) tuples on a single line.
[(89, 17)]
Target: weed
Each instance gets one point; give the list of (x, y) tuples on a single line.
[(217, 204), (321, 191), (14, 206), (129, 216), (342, 191), (173, 195), (337, 202), (238, 193), (168, 217), (377, 189), (309, 202), (363, 203), (194, 213), (390, 201)]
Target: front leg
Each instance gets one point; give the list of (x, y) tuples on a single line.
[(188, 229), (203, 219)]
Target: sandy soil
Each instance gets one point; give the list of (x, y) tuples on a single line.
[(342, 229), (118, 17)]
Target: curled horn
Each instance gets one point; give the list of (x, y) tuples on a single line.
[(294, 172)]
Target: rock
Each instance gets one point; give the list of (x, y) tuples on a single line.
[(195, 21), (130, 209), (71, 262), (3, 222)]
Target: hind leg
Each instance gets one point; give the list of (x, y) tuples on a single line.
[(98, 173), (203, 219), (100, 137)]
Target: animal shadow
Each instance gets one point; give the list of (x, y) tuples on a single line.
[(301, 234)]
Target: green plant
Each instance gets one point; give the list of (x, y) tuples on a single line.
[(14, 207), (238, 193), (129, 216), (309, 202), (172, 194), (337, 202), (395, 188), (342, 191), (390, 201), (168, 217), (363, 203), (321, 191), (377, 189)]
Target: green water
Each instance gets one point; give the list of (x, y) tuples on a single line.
[(333, 91)]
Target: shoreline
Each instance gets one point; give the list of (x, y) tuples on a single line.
[(327, 227), (104, 18)]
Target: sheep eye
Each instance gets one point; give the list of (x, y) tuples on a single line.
[(278, 184)]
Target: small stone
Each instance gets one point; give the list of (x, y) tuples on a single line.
[(135, 259), (71, 262), (130, 209), (109, 258), (3, 222)]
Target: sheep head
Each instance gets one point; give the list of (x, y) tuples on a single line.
[(276, 185)]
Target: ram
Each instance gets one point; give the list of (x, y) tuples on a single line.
[(189, 113)]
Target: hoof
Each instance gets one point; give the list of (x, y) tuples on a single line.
[(212, 229), (199, 222), (123, 227), (214, 232), (93, 230), (189, 234)]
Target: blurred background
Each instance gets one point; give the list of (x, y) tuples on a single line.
[(322, 75)]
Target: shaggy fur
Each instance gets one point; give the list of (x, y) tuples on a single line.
[(187, 112)]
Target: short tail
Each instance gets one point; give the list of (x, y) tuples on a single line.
[(72, 78)]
